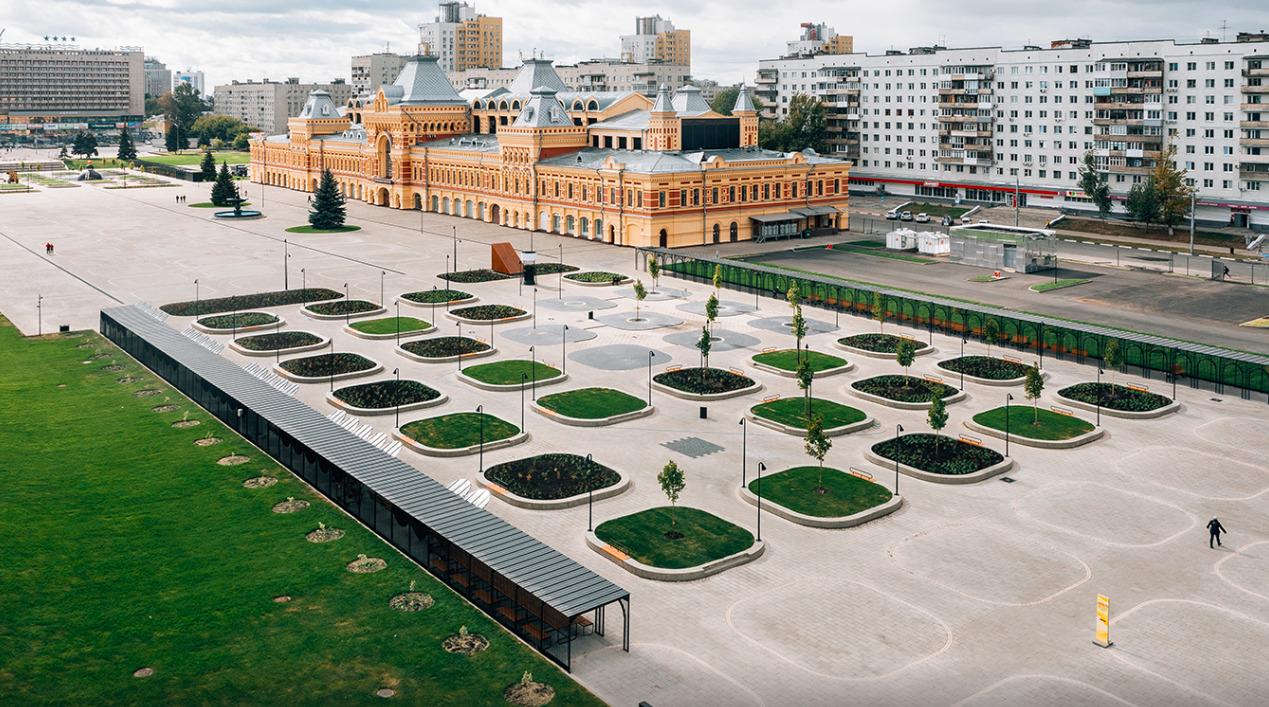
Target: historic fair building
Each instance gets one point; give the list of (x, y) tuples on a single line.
[(615, 167)]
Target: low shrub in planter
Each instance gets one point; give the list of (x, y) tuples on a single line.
[(342, 307), (595, 276), (278, 340), (386, 394), (445, 346), (329, 364), (547, 477), (903, 389), (1115, 397), (704, 381), (952, 456), (878, 343), (988, 367), (553, 268), (473, 276), (239, 320), (437, 296), (257, 301), (486, 312)]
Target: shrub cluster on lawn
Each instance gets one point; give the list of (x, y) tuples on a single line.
[(553, 268), (547, 477), (473, 276), (327, 364), (878, 343), (704, 381), (988, 367), (240, 320), (345, 306), (904, 389), (437, 296), (486, 312), (595, 276), (255, 301), (278, 340), (386, 394), (445, 346), (1115, 397), (952, 457)]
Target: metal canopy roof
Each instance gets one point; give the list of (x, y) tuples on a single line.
[(816, 210), (774, 218), (557, 580)]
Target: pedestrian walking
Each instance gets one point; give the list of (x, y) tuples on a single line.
[(1225, 274), (1215, 528), (48, 248)]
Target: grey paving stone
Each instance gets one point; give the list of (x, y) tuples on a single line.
[(574, 303), (646, 320), (724, 340), (547, 335), (783, 325), (693, 447), (725, 308), (619, 357)]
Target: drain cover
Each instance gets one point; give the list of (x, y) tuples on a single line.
[(1006, 479)]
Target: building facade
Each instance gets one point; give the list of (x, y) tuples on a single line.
[(611, 167), (463, 39), (55, 89), (370, 71), (819, 38), (594, 76), (656, 40), (979, 124), (191, 77), (268, 105), (158, 78)]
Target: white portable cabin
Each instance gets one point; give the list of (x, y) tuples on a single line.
[(933, 243), (901, 239)]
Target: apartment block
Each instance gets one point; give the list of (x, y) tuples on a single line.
[(370, 71), (463, 39), (819, 38), (656, 40), (268, 105), (978, 124), (192, 77), (594, 76), (48, 87), (158, 78)]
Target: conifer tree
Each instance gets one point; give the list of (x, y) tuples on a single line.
[(223, 189), (208, 167), (328, 204), (127, 149)]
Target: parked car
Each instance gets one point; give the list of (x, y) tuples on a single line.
[(922, 218), (906, 216), (983, 220), (892, 215)]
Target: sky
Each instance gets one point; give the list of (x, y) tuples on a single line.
[(315, 40)]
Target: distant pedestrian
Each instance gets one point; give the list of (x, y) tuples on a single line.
[(1215, 528), (48, 248), (178, 198), (1224, 272)]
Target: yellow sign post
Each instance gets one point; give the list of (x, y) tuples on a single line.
[(1103, 622)]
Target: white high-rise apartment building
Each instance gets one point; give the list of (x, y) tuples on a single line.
[(976, 124), (462, 39), (190, 76)]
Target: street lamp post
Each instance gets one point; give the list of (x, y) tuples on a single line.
[(304, 280), (347, 309), (286, 265), (897, 430), (433, 305), (1099, 396), (197, 307), (560, 294), (761, 468), (332, 365), (398, 306), (524, 383), (459, 344), (382, 273), (39, 314), (564, 351), (535, 308), (480, 414), (1008, 397), (447, 266), (962, 362), (455, 230), (744, 449), (590, 494), (650, 355), (533, 368), (397, 420)]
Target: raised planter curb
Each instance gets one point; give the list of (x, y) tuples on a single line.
[(591, 422), (277, 368), (236, 348), (686, 574), (393, 335), (863, 424), (1174, 406), (444, 359), (242, 329), (421, 448), (888, 356), (1037, 443), (898, 405), (706, 397), (429, 305), (950, 479), (791, 374), (334, 317), (513, 386), (849, 521), (502, 494), (330, 398), (486, 322), (986, 381)]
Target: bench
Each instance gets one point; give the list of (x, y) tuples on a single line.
[(440, 564), (861, 474), (672, 369), (769, 349), (460, 579), (1138, 388), (533, 630), (971, 440), (737, 371), (933, 378), (1062, 411), (771, 398), (509, 612), (1012, 359), (483, 595)]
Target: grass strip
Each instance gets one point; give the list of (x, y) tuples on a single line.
[(458, 430), (705, 537), (847, 494), (792, 412), (1022, 422), (787, 360), (592, 403)]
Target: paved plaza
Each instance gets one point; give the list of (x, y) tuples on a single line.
[(982, 594)]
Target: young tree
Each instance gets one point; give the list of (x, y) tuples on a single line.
[(1113, 357), (1143, 202), (1094, 185), (223, 189), (241, 143), (805, 377), (327, 211), (1033, 387), (1170, 188), (127, 149), (711, 310), (182, 107), (704, 344), (62, 155), (905, 354), (718, 277), (817, 446), (208, 166), (803, 127), (172, 141), (654, 271), (991, 333), (671, 481), (937, 418), (799, 330), (639, 292), (879, 310)]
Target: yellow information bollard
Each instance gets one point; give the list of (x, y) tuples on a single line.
[(1103, 622)]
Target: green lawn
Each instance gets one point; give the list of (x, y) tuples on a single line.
[(985, 278), (511, 372), (791, 411), (309, 229), (592, 403), (99, 163), (705, 538), (1045, 287), (458, 430), (847, 494), (1052, 425), (126, 546), (388, 325), (188, 158), (787, 360)]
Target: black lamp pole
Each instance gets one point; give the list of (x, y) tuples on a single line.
[(1099, 397), (197, 308), (433, 305), (535, 308), (962, 362), (761, 468), (39, 313), (590, 494), (560, 294), (650, 355), (564, 351), (524, 383), (897, 430), (286, 262), (398, 306), (382, 274), (1008, 397), (533, 368), (455, 229), (480, 414), (304, 280), (397, 420), (459, 343), (347, 309), (744, 449)]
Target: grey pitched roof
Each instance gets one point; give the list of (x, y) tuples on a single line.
[(630, 120), (744, 102), (657, 162), (421, 82), (536, 73), (688, 102), (543, 110), (663, 104), (319, 106)]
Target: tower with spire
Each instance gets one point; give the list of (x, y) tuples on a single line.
[(664, 125), (748, 114)]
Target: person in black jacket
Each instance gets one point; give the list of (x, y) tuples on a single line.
[(1215, 528)]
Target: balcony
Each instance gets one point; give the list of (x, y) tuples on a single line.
[(1153, 74), (1254, 124), (1254, 107), (1253, 175), (1256, 72), (1261, 159), (1125, 169), (1256, 89), (1253, 142)]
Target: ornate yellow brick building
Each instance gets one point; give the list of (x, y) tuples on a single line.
[(613, 167)]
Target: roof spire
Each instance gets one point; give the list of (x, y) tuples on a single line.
[(663, 104)]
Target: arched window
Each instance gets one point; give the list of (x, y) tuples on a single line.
[(734, 234), (716, 233)]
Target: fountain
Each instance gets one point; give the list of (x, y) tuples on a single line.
[(238, 213), (89, 174)]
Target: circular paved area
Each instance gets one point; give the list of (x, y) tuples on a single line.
[(548, 335), (663, 675), (1240, 432), (725, 308), (575, 303), (784, 325), (1199, 473), (1041, 691), (647, 320), (1103, 513), (619, 357), (1247, 569), (659, 294), (724, 340)]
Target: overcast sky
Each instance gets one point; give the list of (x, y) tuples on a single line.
[(314, 39)]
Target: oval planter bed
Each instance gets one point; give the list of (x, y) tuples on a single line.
[(596, 278), (784, 363), (704, 384), (987, 370), (278, 343), (880, 345), (705, 546), (458, 434), (591, 407), (342, 309), (488, 314), (385, 397), (507, 375), (475, 276), (903, 392), (956, 462), (551, 481), (1056, 431), (851, 500), (445, 348), (787, 415), (386, 328), (541, 268), (432, 298), (327, 367), (243, 303), (247, 322), (1126, 402)]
